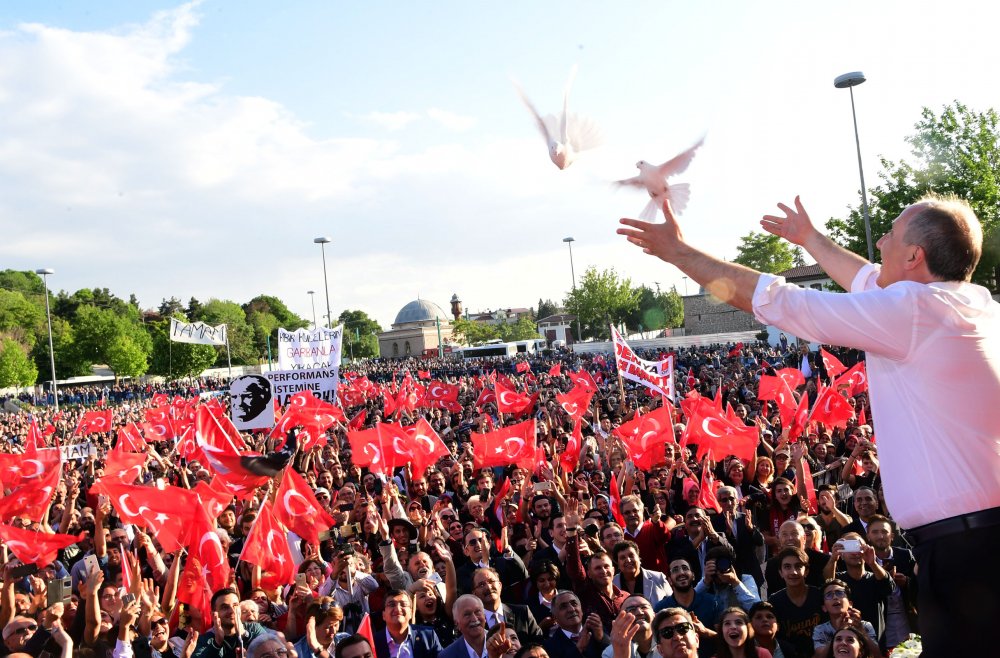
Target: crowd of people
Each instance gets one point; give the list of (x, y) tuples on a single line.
[(608, 559)]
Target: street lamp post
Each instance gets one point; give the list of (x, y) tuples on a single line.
[(322, 242), (572, 272), (312, 300), (685, 285), (45, 272), (851, 80)]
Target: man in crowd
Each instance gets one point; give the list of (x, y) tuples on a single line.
[(229, 636), (487, 586), (575, 636), (633, 578), (868, 580), (632, 631), (792, 535), (650, 535), (798, 606), (400, 638), (900, 608), (480, 556), (675, 634), (470, 622)]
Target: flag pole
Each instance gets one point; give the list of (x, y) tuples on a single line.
[(229, 356)]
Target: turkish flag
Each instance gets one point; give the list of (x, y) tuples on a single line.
[(582, 379), (776, 388), (217, 431), (160, 399), (307, 411), (31, 498), (389, 404), (366, 448), (712, 430), (442, 395), (831, 408), (512, 402), (296, 507), (267, 547), (212, 499), (831, 363), (799, 419), (616, 500), (522, 366), (34, 440), (203, 543), (706, 492), (365, 629), (862, 420), (217, 439), (486, 397), (93, 422), (166, 514), (159, 425), (555, 370), (426, 447), (358, 421), (792, 376), (576, 403), (570, 457), (194, 590), (855, 379), (423, 374), (735, 352), (645, 432), (16, 470), (130, 439), (514, 444), (126, 467), (39, 548)]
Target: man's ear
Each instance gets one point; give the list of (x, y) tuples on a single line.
[(917, 257)]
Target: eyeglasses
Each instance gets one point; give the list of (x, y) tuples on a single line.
[(808, 528), (835, 594), (277, 653), (159, 622), (680, 568), (683, 628)]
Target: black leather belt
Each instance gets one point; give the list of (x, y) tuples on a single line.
[(954, 525)]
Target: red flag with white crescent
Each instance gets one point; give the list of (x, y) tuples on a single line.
[(514, 444), (93, 422), (166, 514), (296, 507), (706, 492), (855, 380), (38, 548), (616, 501), (710, 429), (267, 547), (831, 363), (570, 457), (427, 446), (510, 401)]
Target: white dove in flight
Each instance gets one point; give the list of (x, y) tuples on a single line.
[(568, 134), (654, 179)]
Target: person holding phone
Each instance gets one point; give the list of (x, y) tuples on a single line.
[(853, 561)]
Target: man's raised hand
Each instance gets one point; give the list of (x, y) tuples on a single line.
[(661, 240), (795, 226)]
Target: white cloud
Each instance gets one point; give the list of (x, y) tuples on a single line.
[(451, 120), (390, 121)]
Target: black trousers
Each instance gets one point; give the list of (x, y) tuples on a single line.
[(958, 596)]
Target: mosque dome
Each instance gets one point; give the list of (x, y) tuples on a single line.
[(420, 310)]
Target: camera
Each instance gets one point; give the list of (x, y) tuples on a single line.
[(723, 564)]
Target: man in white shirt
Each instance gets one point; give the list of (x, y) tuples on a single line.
[(470, 622), (932, 344)]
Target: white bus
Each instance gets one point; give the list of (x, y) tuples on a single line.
[(500, 348)]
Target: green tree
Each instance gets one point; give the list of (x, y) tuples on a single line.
[(20, 317), (26, 282), (602, 299), (116, 340), (954, 152), (766, 253), (16, 369), (241, 334), (472, 333), (523, 329), (170, 307), (69, 361), (127, 356), (545, 309), (194, 309), (360, 334), (657, 310), (175, 360)]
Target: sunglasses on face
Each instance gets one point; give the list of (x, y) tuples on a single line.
[(158, 622), (835, 594), (667, 632)]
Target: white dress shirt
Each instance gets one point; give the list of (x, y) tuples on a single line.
[(933, 359)]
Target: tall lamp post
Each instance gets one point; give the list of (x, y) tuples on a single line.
[(322, 242), (572, 272), (44, 273), (851, 80), (312, 300)]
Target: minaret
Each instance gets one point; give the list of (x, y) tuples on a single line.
[(456, 306)]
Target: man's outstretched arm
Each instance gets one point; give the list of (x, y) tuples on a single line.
[(732, 283), (796, 227)]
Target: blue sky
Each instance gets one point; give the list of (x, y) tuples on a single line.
[(171, 149)]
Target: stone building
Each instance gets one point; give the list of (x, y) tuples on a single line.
[(414, 332)]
